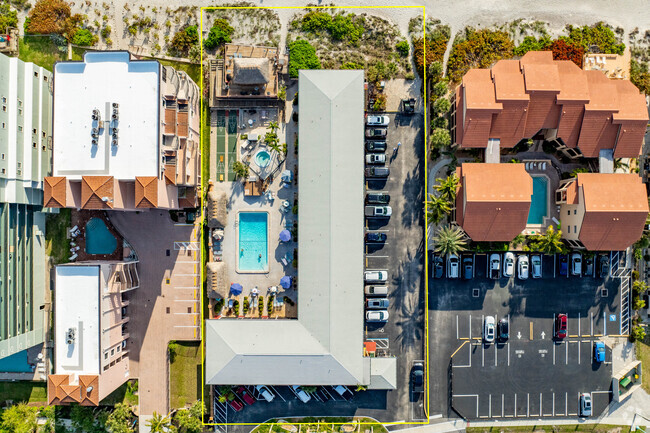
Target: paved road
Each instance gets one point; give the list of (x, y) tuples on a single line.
[(166, 306)]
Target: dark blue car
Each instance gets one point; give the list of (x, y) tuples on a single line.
[(564, 264)]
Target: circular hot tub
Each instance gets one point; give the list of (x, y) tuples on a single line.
[(262, 158)]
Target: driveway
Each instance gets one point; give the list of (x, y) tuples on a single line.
[(166, 306)]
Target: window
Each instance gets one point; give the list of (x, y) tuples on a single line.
[(4, 108), (20, 164), (36, 74), (112, 352), (4, 171), (105, 355), (569, 228), (575, 229), (19, 172), (43, 134), (34, 145), (44, 78), (3, 157), (20, 103), (3, 125), (34, 131), (118, 349), (575, 211), (568, 212), (20, 111), (4, 100), (43, 147), (20, 129)]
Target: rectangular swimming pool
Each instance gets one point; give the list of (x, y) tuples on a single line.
[(16, 363), (253, 242), (539, 201)]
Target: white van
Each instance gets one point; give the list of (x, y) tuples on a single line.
[(265, 393), (376, 290)]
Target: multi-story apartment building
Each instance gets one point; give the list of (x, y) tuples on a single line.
[(91, 359), (25, 158), (126, 135)]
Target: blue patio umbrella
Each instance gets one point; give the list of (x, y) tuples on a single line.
[(285, 235), (235, 289), (286, 176), (285, 282)]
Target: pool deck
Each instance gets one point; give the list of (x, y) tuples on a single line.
[(534, 168), (80, 219), (239, 202)]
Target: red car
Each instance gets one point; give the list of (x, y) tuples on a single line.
[(560, 329), (236, 405), (244, 394)]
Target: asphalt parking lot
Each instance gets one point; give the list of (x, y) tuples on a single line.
[(529, 375), (402, 256)]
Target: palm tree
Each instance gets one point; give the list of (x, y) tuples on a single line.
[(450, 240), (437, 209), (159, 423), (273, 126), (275, 146), (618, 163), (550, 242), (447, 187)]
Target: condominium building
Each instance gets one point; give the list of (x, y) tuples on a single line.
[(25, 157), (126, 135), (581, 112), (602, 211), (91, 359)]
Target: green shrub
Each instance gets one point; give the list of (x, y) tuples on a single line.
[(531, 43), (106, 32), (48, 16), (348, 27), (479, 49), (172, 348), (639, 76), (440, 122), (235, 307), (441, 106), (269, 305), (599, 35), (8, 16), (352, 65), (246, 304), (316, 21), (436, 45), (440, 138), (302, 56), (260, 305), (282, 93), (440, 89), (84, 38), (183, 40), (638, 333), (220, 33), (402, 48)]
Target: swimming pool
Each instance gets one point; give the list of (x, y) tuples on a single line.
[(263, 158), (98, 239), (539, 201), (253, 242), (16, 363)]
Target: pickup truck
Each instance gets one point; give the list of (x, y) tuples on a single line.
[(378, 211)]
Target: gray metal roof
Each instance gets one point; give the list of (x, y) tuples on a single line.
[(325, 344)]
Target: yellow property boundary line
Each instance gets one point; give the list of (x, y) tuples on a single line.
[(426, 229)]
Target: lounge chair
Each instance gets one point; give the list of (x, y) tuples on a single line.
[(284, 261)]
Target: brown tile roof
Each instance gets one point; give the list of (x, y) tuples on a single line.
[(586, 107), (170, 174), (616, 207), (146, 192), (54, 191), (189, 201), (479, 90), (494, 200), (94, 189), (60, 391)]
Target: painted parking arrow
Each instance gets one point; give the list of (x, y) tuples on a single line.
[(543, 334), (518, 335)]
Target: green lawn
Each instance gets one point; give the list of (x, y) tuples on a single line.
[(123, 394), (56, 242), (40, 50), (31, 392), (643, 355), (185, 374), (588, 428)]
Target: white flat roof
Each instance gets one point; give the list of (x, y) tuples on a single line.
[(104, 78), (76, 295)]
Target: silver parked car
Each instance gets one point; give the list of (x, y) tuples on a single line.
[(508, 265), (522, 267), (376, 316), (375, 276), (576, 264), (377, 303), (488, 329), (536, 266)]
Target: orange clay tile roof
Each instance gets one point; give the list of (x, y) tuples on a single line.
[(60, 391), (573, 83), (479, 90), (508, 81), (616, 207), (585, 107), (146, 192), (494, 200), (54, 192), (189, 200), (170, 174), (96, 192)]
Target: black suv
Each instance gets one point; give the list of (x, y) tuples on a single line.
[(376, 237), (502, 330), (376, 146), (377, 198), (377, 172)]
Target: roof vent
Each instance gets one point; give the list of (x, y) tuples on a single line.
[(94, 142), (70, 335), (114, 142)]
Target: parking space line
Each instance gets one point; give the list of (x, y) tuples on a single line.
[(579, 352), (502, 404), (470, 326), (566, 403), (540, 405), (456, 326), (515, 404), (490, 406), (605, 322), (553, 354), (578, 323), (531, 331), (482, 355), (553, 404), (496, 363), (567, 354), (508, 345), (592, 323), (528, 404)]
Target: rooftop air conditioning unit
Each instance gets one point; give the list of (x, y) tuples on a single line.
[(114, 116), (115, 130), (114, 142), (94, 142), (95, 131), (114, 135), (95, 117), (116, 105), (94, 135), (70, 335)]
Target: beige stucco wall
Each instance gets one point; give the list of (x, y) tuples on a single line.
[(571, 216)]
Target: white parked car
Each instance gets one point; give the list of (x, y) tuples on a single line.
[(488, 329), (536, 265), (452, 266), (302, 395), (265, 393), (585, 404), (375, 158), (375, 276), (376, 290), (377, 121), (376, 316), (508, 265), (576, 264), (522, 267)]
